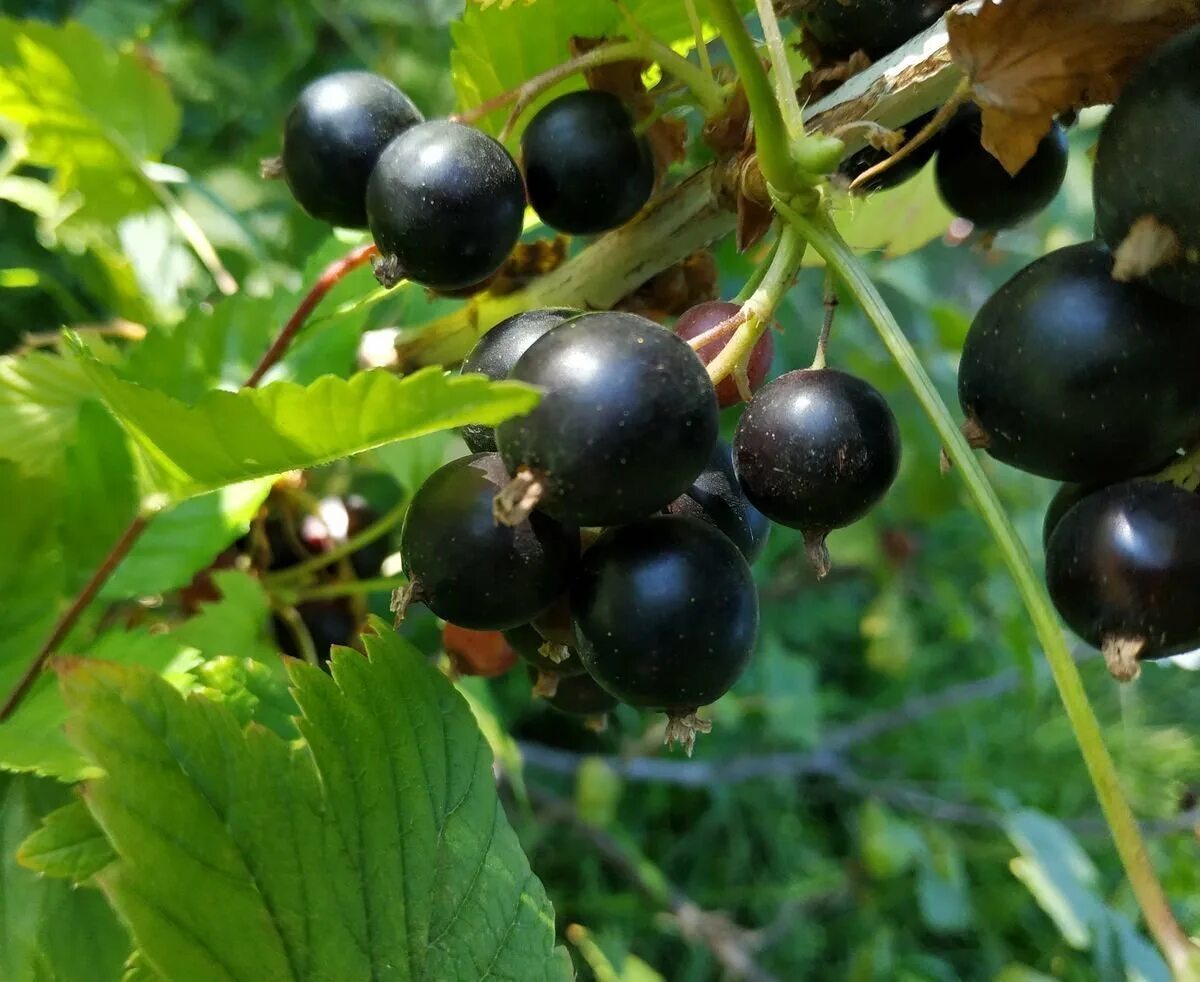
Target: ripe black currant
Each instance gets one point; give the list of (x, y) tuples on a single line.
[(576, 695), (1065, 498), (586, 169), (704, 317), (445, 204), (975, 185), (716, 497), (532, 648), (328, 622), (497, 352), (471, 571), (816, 450), (1146, 163), (627, 420), (333, 137), (842, 27), (665, 616), (1123, 568), (896, 175), (1068, 374)]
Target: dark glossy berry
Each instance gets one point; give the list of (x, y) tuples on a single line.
[(1123, 569), (577, 695), (1146, 161), (1070, 375), (1065, 498), (975, 185), (328, 622), (716, 497), (586, 169), (486, 654), (627, 420), (468, 569), (528, 644), (665, 614), (866, 158), (704, 317), (816, 450), (497, 352), (445, 204), (333, 137), (878, 27)]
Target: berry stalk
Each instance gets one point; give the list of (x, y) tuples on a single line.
[(1178, 949)]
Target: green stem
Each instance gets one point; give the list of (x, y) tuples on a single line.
[(785, 84), (770, 135), (351, 588), (759, 274), (760, 307), (349, 547), (708, 93), (1174, 943)]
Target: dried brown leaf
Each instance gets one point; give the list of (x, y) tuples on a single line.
[(1029, 60)]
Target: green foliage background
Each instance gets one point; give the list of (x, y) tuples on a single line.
[(891, 792)]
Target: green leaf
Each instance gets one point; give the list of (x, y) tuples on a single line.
[(185, 539), (88, 113), (69, 845), (233, 625), (229, 437), (943, 894), (100, 493), (40, 396), (377, 849), (49, 930), (497, 47)]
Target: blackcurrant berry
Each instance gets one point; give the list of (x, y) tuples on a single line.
[(468, 569), (577, 695), (1123, 568), (975, 185), (878, 27), (627, 420), (902, 170), (816, 450), (1065, 498), (716, 497), (586, 169), (328, 622), (665, 616), (1146, 162), (497, 352), (445, 204), (533, 650), (1070, 375), (367, 560), (333, 137), (704, 317)]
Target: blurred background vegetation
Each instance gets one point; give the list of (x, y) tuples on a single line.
[(892, 792)]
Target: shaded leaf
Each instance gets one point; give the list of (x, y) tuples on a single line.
[(1029, 60), (376, 849)]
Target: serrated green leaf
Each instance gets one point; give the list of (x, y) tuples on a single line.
[(90, 114), (499, 46), (376, 850), (68, 845), (185, 539), (40, 397), (254, 691), (99, 493), (49, 930), (229, 437)]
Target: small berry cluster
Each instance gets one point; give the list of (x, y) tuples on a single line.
[(609, 532), (1082, 368), (445, 202)]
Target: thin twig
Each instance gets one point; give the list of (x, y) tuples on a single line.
[(831, 305), (333, 274), (62, 627)]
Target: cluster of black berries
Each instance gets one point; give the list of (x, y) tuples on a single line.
[(609, 532), (1083, 368), (444, 201)]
